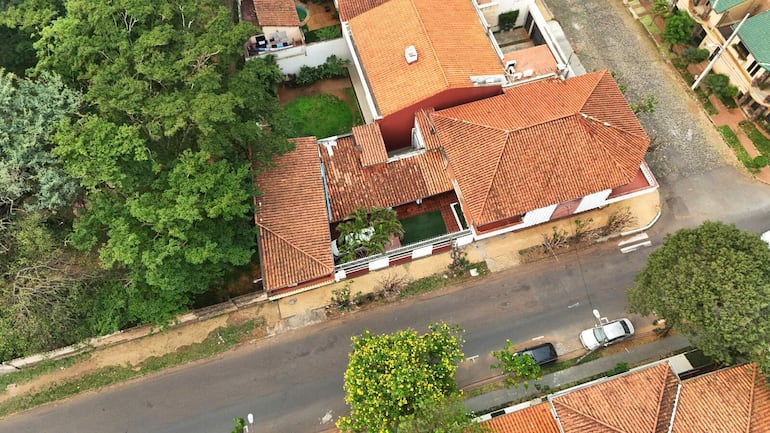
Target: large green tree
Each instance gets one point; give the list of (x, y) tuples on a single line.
[(30, 112), (678, 29), (445, 415), (389, 376), (713, 284), (174, 123)]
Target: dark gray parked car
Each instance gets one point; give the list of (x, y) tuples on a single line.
[(543, 353)]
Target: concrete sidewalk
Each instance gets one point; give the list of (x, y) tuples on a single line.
[(651, 352)]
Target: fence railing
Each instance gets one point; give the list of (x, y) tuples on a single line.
[(412, 251)]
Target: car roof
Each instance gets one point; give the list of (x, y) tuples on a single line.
[(614, 330)]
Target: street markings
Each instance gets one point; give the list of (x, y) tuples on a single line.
[(634, 243), (538, 338)]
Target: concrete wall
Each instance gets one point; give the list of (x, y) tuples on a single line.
[(292, 59)]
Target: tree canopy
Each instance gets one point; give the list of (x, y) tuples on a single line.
[(678, 29), (517, 368), (713, 284), (446, 415), (174, 123), (367, 231), (389, 376)]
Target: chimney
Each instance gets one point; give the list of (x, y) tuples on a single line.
[(410, 53)]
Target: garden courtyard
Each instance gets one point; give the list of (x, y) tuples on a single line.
[(322, 109)]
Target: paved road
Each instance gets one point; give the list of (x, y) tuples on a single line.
[(291, 381)]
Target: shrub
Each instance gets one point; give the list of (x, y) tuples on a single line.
[(333, 67), (717, 83), (760, 161), (694, 54), (507, 20), (322, 34), (678, 28)]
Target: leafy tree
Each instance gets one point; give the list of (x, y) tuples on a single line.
[(20, 24), (30, 111), (713, 284), (695, 54), (516, 368), (678, 28), (175, 123), (446, 415), (367, 231), (390, 375), (719, 84)]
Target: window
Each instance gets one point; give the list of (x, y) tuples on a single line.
[(741, 49), (715, 53), (753, 68)]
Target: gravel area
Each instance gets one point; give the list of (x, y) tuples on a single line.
[(604, 35)]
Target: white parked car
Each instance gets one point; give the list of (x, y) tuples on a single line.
[(766, 237), (606, 334)]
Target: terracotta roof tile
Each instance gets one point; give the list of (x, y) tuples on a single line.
[(351, 8), (534, 419), (281, 13), (732, 400), (538, 58), (636, 402), (369, 140), (388, 184), (541, 143), (451, 46), (292, 218)]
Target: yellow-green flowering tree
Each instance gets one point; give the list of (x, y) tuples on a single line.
[(389, 375)]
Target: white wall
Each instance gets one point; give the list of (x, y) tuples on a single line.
[(592, 201), (290, 60)]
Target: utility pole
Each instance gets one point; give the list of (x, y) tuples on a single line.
[(721, 50)]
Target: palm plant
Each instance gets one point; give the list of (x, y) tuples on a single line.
[(366, 232)]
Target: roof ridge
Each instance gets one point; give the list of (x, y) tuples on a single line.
[(604, 149), (599, 74), (663, 384), (616, 429), (430, 42), (291, 244), (496, 171)]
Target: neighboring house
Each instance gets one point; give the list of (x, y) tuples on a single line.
[(278, 21), (651, 399), (747, 60), (291, 216), (543, 151), (413, 54)]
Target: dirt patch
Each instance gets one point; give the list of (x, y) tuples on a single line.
[(335, 86)]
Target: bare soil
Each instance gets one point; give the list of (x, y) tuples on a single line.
[(335, 86)]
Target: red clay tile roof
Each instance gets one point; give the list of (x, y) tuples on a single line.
[(389, 184), (351, 8), (541, 143), (639, 402), (451, 46), (369, 140), (280, 13), (732, 400), (292, 218), (534, 419)]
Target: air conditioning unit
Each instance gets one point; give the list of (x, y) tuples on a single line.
[(410, 53)]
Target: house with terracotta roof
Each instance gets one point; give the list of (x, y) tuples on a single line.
[(292, 221), (414, 54), (457, 137), (747, 59), (279, 24), (541, 151), (650, 399)]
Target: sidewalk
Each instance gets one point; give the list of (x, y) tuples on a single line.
[(651, 352)]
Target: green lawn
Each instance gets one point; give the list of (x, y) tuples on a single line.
[(423, 226), (350, 98), (761, 142), (319, 115), (728, 135), (301, 13)]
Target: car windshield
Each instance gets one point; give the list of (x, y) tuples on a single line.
[(599, 334), (625, 328)]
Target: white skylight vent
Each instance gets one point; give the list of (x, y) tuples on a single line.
[(410, 53)]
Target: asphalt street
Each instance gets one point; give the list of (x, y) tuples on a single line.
[(292, 381)]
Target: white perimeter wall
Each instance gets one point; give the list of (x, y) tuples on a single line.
[(290, 60)]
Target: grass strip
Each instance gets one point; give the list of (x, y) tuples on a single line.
[(728, 135), (761, 142), (30, 373), (352, 101), (320, 115), (435, 282), (218, 341)]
